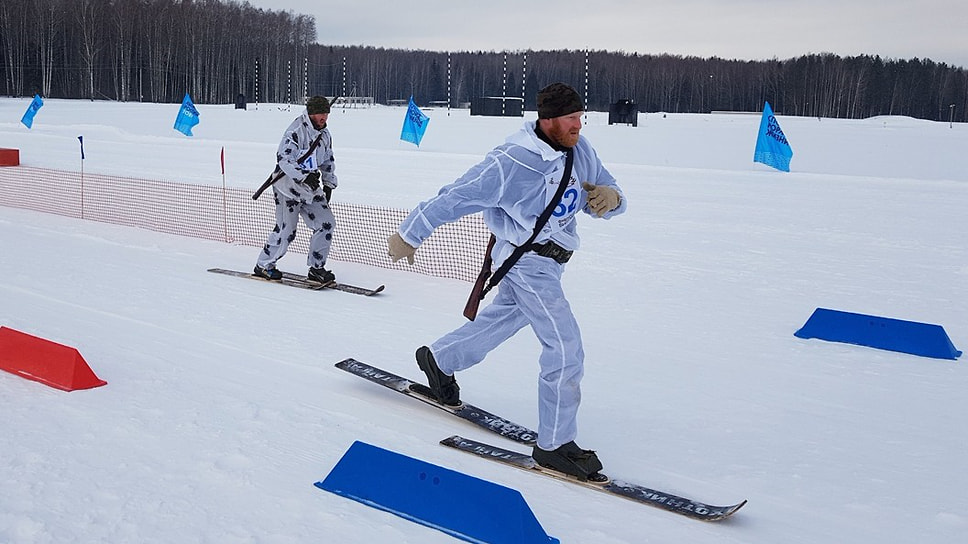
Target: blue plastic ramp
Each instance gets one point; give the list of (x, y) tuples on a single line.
[(911, 337), (463, 506)]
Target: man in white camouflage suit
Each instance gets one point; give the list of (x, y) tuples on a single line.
[(512, 186)]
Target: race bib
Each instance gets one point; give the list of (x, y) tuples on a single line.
[(566, 208), (309, 163)]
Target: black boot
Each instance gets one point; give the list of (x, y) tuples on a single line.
[(321, 275), (444, 387), (570, 459), (268, 273)]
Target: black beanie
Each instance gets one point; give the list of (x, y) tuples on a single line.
[(558, 99), (317, 104)]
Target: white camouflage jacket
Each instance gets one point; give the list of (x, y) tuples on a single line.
[(512, 186)]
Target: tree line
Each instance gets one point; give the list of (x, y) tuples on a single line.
[(157, 50)]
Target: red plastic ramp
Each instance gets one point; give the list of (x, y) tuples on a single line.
[(9, 157), (43, 361)]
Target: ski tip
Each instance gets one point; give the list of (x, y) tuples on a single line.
[(345, 364), (450, 440), (737, 506), (724, 513)]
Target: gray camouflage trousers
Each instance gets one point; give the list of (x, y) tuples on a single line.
[(318, 217)]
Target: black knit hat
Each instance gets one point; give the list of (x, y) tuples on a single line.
[(317, 104), (558, 99)]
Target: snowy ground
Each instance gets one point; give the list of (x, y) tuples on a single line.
[(223, 407)]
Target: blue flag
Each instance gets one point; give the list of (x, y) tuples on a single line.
[(414, 124), (187, 116), (35, 104), (772, 147), (81, 139)]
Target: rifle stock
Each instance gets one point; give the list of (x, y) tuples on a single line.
[(477, 292)]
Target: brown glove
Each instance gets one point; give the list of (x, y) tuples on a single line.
[(400, 249), (601, 198)]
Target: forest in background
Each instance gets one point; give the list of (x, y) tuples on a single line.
[(215, 50)]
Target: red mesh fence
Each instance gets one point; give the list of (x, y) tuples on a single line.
[(230, 215)]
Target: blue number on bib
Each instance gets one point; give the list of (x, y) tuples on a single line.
[(569, 201), (309, 163)]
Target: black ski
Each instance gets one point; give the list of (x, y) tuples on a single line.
[(482, 418), (637, 493), (302, 282)]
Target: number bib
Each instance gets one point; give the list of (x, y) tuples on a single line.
[(564, 212), (310, 163)]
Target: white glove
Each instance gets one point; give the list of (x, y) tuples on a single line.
[(400, 249), (601, 198)]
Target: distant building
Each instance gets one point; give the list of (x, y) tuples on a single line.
[(498, 106), (623, 112)]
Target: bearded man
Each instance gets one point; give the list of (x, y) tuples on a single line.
[(544, 171)]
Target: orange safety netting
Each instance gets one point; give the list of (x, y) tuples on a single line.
[(230, 215)]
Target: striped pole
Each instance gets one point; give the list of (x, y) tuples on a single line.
[(504, 83), (524, 78), (586, 85)]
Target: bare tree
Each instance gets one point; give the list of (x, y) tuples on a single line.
[(88, 16), (47, 21), (13, 23)]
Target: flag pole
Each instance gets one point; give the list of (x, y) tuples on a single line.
[(80, 139), (225, 213)]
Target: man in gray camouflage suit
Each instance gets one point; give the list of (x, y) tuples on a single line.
[(305, 178)]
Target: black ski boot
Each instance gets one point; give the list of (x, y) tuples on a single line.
[(444, 387), (268, 273), (571, 460), (321, 275)]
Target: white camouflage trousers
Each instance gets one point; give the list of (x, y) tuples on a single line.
[(530, 294)]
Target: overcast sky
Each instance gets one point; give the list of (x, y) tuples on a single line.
[(741, 29)]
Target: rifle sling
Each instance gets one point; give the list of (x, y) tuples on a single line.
[(538, 225), (276, 176)]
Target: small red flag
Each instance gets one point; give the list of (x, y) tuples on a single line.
[(223, 160)]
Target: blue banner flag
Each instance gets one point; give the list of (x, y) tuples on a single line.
[(414, 124), (187, 116), (35, 104), (81, 139), (772, 147)]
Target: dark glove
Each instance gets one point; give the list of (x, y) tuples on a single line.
[(312, 180), (328, 191)]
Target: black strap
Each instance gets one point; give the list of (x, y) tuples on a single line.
[(538, 225), (276, 176)]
